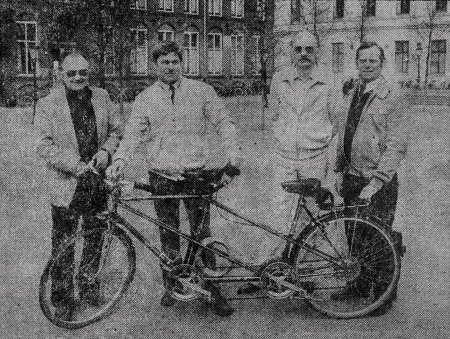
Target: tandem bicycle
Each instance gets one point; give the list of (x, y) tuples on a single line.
[(340, 246)]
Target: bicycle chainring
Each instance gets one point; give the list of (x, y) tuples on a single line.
[(281, 271), (184, 282)]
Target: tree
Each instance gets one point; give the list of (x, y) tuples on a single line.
[(428, 28), (94, 26), (316, 17)]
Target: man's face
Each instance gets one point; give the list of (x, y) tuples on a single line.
[(304, 53), (369, 64), (168, 68), (75, 73)]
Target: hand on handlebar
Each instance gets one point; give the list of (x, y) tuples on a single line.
[(116, 169)]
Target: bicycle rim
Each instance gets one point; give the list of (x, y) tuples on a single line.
[(368, 266), (96, 281)]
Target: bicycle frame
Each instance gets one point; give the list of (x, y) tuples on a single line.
[(113, 216)]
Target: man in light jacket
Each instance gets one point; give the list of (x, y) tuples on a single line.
[(186, 127), (372, 142), (76, 124)]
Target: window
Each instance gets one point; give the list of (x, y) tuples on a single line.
[(340, 6), (237, 54), (237, 8), (256, 59), (190, 52), (27, 39), (215, 7), (166, 32), (165, 5), (191, 6), (441, 5), (371, 7), (139, 51), (215, 53), (337, 55), (296, 10), (401, 56), (139, 4), (437, 57), (405, 7), (261, 9)]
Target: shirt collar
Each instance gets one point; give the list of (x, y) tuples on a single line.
[(166, 87), (372, 85)]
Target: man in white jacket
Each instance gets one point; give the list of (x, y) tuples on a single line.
[(303, 114)]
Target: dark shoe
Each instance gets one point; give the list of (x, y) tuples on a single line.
[(350, 292), (167, 300), (65, 312), (249, 288), (382, 309), (220, 305)]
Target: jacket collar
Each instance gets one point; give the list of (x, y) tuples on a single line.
[(166, 87), (290, 74), (379, 86)]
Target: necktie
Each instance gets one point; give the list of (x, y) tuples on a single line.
[(362, 88), (172, 95)]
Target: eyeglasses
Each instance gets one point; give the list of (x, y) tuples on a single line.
[(81, 73), (308, 49)]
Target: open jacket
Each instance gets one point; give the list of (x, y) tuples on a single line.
[(303, 124), (57, 144), (381, 137)]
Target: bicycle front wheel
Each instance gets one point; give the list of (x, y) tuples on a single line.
[(349, 264), (86, 277)]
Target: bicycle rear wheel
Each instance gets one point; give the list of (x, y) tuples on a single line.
[(361, 272), (94, 280)]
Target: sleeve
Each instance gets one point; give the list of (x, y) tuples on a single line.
[(60, 158), (333, 96), (396, 139), (135, 131), (216, 112), (115, 127)]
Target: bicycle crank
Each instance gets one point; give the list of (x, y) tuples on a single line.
[(185, 283), (279, 279)]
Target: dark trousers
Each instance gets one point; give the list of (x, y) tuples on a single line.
[(65, 224), (362, 241), (168, 211)]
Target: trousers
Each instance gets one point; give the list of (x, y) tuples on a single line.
[(65, 224)]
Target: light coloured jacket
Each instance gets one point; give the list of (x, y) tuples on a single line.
[(192, 132), (308, 132), (381, 137), (57, 144)]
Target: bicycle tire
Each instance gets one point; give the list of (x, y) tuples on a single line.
[(375, 270), (118, 246)]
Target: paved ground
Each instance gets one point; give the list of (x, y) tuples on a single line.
[(422, 310)]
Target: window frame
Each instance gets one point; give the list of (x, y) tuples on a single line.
[(212, 7), (235, 4), (404, 7), (439, 55), (256, 64), (214, 72), (162, 6), (441, 6), (135, 5), (337, 57), (339, 9), (29, 71), (401, 57), (237, 52), (372, 5), (165, 32), (135, 47), (188, 7), (186, 59)]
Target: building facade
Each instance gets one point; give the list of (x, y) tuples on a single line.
[(414, 35), (220, 41)]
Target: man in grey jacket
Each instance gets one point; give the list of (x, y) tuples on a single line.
[(372, 142), (76, 125)]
